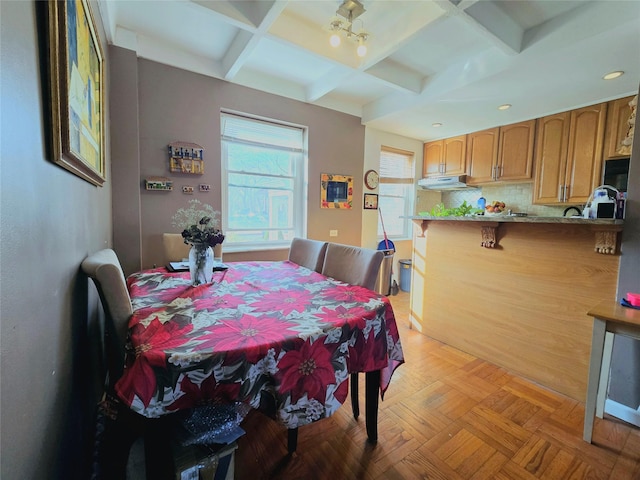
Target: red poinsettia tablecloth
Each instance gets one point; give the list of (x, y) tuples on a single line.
[(277, 336)]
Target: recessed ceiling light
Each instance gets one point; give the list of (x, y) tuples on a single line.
[(612, 75), (436, 125), (505, 106)]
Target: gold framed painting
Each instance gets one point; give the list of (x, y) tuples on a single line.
[(76, 78)]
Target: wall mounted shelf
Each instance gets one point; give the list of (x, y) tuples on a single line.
[(161, 184), (185, 157)]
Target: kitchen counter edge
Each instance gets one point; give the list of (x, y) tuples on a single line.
[(527, 219)]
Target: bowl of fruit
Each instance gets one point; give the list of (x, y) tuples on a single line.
[(495, 208)]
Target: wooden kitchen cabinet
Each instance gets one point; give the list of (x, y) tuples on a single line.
[(501, 154), (569, 155), (618, 113), (445, 157), (454, 155), (482, 155), (432, 158), (515, 151)]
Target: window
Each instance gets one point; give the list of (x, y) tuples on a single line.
[(264, 183), (395, 192)]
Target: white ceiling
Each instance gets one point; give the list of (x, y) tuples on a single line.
[(447, 61)]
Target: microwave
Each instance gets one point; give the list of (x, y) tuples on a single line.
[(616, 173)]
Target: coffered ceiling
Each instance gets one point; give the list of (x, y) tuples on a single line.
[(429, 61)]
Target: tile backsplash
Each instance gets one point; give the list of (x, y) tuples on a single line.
[(517, 198)]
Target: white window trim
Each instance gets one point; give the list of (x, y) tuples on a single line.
[(409, 182), (300, 194)]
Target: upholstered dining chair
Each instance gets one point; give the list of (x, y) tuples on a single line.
[(356, 266), (104, 269), (353, 265), (174, 247), (308, 253)]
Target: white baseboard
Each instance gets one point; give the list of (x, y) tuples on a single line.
[(622, 412)]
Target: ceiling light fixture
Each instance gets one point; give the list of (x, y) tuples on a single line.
[(506, 106), (349, 10), (436, 125), (612, 75)]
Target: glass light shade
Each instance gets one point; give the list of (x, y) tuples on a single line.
[(612, 75), (334, 40), (362, 50)]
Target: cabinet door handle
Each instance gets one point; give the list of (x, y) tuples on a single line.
[(566, 192), (493, 172), (561, 193)]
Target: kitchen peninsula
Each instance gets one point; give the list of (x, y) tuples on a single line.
[(516, 290)]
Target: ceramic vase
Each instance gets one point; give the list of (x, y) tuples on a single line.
[(200, 264)]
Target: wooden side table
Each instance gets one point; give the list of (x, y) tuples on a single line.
[(609, 317)]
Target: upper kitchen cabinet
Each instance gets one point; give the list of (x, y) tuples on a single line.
[(432, 158), (618, 113), (501, 154), (569, 155), (482, 155), (515, 151), (445, 157)]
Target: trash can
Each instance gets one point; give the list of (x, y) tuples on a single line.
[(383, 283), (405, 274)]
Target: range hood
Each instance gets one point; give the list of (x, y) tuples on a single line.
[(457, 182)]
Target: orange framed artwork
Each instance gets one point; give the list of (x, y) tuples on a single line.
[(336, 191)]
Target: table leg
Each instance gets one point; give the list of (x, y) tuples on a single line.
[(604, 374), (292, 440), (595, 364), (355, 406), (372, 394)]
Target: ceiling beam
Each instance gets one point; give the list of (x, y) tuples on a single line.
[(245, 42), (327, 83), (490, 21)]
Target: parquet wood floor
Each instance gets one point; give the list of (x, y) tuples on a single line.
[(447, 415)]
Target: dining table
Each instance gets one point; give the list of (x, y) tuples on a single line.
[(272, 335)]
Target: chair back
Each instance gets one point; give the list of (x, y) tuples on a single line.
[(104, 269), (174, 247), (353, 265), (307, 253)]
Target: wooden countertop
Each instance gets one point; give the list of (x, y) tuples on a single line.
[(527, 219), (612, 311)]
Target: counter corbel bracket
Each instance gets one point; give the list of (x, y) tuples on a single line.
[(606, 239), (489, 233)]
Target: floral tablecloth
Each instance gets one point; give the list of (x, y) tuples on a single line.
[(275, 335)]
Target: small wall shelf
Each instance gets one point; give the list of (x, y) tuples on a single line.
[(185, 157), (162, 184)]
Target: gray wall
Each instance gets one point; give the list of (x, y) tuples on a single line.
[(50, 220), (624, 386), (175, 105)]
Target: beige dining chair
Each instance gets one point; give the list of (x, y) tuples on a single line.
[(308, 253), (104, 269), (174, 247), (355, 266)]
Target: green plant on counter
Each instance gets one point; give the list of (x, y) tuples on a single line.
[(439, 210)]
